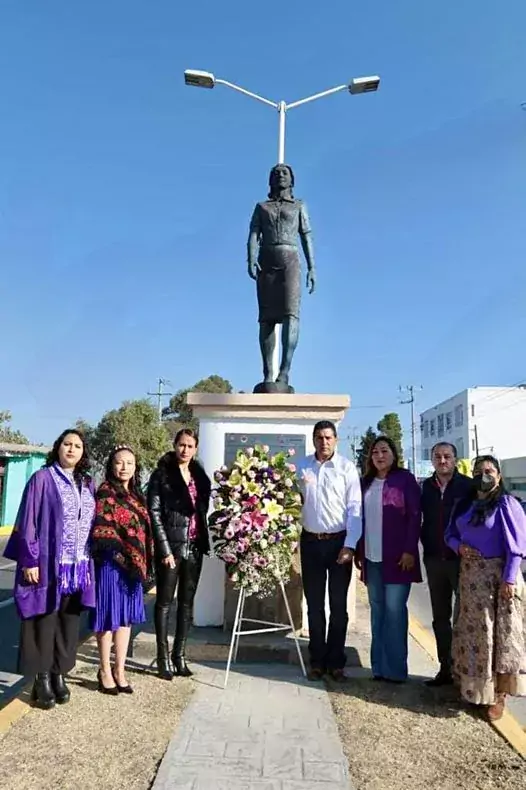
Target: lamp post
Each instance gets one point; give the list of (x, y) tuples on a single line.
[(204, 79)]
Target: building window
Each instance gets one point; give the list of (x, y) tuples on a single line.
[(473, 445), (431, 427), (472, 409), (459, 444), (440, 425), (449, 421), (459, 416), (426, 454), (426, 429)]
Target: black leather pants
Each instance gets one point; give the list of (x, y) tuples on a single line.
[(185, 576)]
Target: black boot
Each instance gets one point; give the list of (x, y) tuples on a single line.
[(42, 694), (184, 621), (164, 667), (58, 684)]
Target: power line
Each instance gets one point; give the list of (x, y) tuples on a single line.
[(410, 389), (160, 394)]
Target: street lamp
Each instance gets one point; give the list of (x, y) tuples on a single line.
[(204, 79)]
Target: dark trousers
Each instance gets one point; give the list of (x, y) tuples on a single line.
[(48, 642), (318, 563), (185, 576), (442, 577)]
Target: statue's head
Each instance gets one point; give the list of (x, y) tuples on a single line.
[(281, 178)]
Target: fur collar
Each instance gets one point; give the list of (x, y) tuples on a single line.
[(170, 475)]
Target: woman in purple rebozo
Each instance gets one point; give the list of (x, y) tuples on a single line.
[(488, 531), (54, 577)]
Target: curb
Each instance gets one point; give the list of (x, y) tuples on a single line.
[(5, 531), (508, 727)]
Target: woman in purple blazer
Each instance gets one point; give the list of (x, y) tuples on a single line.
[(54, 578), (388, 555)]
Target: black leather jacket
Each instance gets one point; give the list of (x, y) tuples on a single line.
[(171, 508)]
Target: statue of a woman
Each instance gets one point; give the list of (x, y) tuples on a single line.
[(274, 262)]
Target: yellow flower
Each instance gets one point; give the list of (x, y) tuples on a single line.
[(272, 510), (234, 479), (244, 464)]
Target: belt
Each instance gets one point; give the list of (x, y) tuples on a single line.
[(323, 535)]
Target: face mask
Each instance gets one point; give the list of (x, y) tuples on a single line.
[(484, 482)]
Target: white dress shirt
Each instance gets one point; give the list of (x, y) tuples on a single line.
[(332, 497), (373, 509)]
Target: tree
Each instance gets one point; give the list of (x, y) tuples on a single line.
[(7, 434), (135, 423), (179, 413), (363, 451), (390, 426)]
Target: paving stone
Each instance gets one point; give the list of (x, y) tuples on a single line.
[(325, 772), (282, 761)]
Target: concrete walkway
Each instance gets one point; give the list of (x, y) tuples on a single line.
[(269, 730)]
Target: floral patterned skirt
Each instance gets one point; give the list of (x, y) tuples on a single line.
[(488, 651)]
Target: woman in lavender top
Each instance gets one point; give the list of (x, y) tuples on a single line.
[(54, 578), (488, 532)]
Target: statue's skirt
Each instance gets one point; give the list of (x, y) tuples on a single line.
[(278, 283)]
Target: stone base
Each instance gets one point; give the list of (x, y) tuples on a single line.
[(280, 420)]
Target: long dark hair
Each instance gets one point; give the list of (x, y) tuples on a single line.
[(134, 485), (370, 468), (82, 469), (187, 432), (485, 506)]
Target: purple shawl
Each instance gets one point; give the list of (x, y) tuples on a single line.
[(37, 540)]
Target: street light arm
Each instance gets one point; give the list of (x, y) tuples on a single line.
[(237, 88), (317, 96)]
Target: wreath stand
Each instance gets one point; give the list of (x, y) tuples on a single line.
[(237, 631)]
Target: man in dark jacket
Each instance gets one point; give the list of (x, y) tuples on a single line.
[(440, 493)]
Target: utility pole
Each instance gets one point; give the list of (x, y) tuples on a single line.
[(410, 389), (353, 442), (160, 394), (476, 439)]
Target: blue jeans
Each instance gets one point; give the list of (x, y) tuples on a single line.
[(389, 624)]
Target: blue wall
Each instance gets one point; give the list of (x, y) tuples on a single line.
[(18, 471)]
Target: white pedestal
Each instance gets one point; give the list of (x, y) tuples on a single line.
[(221, 415)]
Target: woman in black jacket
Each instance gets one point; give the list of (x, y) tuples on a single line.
[(178, 500)]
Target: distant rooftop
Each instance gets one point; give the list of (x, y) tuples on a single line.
[(8, 448)]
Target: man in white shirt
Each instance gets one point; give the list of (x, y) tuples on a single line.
[(332, 526)]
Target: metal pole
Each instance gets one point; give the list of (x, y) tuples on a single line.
[(476, 439), (413, 438), (282, 109)]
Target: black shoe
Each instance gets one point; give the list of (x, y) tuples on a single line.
[(181, 667), (58, 684), (122, 689), (164, 668), (444, 678), (113, 691), (315, 673), (42, 694), (379, 678), (338, 675)]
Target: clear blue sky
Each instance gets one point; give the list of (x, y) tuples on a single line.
[(125, 198)]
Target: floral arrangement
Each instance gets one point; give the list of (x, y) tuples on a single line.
[(255, 523)]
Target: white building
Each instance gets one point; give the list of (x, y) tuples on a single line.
[(478, 419)]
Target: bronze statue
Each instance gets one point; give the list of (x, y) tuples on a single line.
[(274, 263)]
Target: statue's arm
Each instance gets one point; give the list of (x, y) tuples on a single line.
[(306, 244), (253, 243)]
